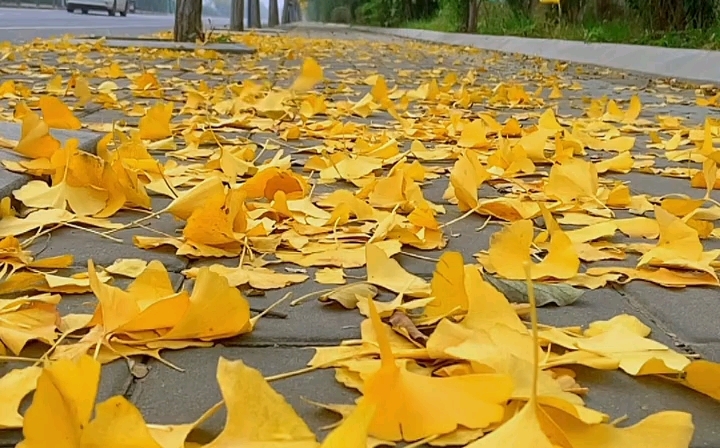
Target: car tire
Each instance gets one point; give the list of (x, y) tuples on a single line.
[(70, 9), (84, 11), (111, 11), (124, 12)]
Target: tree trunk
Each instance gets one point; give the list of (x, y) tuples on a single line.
[(273, 17), (237, 15), (473, 16), (285, 16), (464, 13), (188, 21), (254, 14)]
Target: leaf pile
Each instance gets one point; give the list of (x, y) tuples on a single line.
[(331, 171)]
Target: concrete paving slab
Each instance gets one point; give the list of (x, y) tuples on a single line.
[(130, 44), (655, 185), (10, 181), (602, 304), (618, 394), (84, 245), (691, 312), (166, 396), (696, 65)]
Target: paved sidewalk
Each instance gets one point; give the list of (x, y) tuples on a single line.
[(687, 64), (686, 319)]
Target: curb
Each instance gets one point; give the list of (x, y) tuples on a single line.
[(698, 66), (159, 44), (10, 181)]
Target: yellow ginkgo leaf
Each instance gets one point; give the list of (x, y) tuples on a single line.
[(212, 297), (572, 180), (27, 318), (14, 386), (311, 73), (448, 288), (474, 136), (510, 249), (57, 115), (117, 424), (679, 246), (155, 125), (386, 272), (62, 405), (702, 375), (256, 414), (412, 406), (353, 432), (669, 429), (35, 139), (190, 200)]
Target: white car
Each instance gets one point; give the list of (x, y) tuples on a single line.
[(111, 6)]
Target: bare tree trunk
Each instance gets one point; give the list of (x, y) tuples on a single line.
[(473, 16), (273, 19), (188, 21), (285, 16), (237, 15), (254, 14)]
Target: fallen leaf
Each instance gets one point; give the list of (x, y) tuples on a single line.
[(516, 291), (256, 414)]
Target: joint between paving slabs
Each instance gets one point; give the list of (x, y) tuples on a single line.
[(299, 344), (133, 383), (679, 344)]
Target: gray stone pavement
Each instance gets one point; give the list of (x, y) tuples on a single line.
[(685, 319)]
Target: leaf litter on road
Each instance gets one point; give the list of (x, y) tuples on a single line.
[(331, 170)]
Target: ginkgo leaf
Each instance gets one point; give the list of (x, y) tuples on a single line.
[(184, 205), (701, 375), (212, 297), (353, 432), (447, 288), (127, 267), (679, 246), (62, 405), (510, 249), (14, 386), (311, 73), (28, 318), (57, 115), (117, 424), (256, 414), (572, 180), (35, 139), (82, 200), (670, 429), (386, 272), (155, 125), (260, 278), (412, 406)]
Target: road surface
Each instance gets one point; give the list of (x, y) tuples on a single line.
[(26, 24)]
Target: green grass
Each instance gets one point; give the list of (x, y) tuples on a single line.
[(497, 19)]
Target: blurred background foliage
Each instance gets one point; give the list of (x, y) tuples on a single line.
[(673, 23)]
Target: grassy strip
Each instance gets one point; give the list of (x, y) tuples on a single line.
[(498, 19)]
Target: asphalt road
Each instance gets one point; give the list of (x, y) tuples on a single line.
[(26, 24)]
